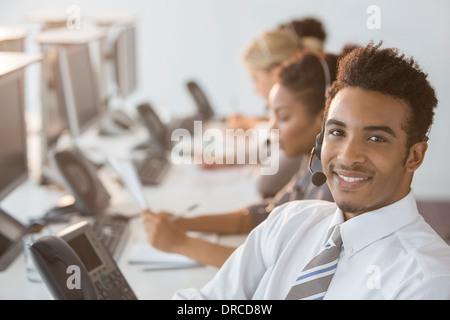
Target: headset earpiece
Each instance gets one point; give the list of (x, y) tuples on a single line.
[(318, 178), (319, 141)]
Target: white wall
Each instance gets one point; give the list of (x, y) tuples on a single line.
[(204, 39)]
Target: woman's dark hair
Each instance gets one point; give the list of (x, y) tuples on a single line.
[(391, 73), (309, 27), (305, 76)]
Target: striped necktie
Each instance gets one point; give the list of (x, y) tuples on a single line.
[(315, 278)]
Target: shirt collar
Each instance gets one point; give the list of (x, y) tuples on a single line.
[(337, 218), (368, 227)]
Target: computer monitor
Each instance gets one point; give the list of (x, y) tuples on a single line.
[(80, 88), (53, 113), (13, 162), (13, 141), (125, 61)]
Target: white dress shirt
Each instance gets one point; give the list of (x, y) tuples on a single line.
[(389, 253)]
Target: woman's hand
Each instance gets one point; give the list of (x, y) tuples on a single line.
[(162, 231)]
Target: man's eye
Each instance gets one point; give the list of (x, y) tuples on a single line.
[(377, 139), (336, 133)]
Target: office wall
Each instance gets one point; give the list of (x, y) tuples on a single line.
[(204, 39)]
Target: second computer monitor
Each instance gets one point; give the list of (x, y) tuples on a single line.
[(80, 88), (54, 115)]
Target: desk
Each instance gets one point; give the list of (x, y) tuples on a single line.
[(215, 191), (48, 19), (64, 36), (13, 61), (12, 38)]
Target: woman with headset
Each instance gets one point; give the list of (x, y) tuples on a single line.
[(262, 59), (296, 102)]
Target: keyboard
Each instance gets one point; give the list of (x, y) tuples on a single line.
[(152, 169), (113, 231)]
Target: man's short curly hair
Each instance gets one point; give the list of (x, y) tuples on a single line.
[(391, 73)]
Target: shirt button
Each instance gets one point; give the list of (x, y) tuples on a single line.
[(350, 250)]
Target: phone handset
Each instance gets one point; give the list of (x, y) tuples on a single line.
[(52, 257), (75, 264), (80, 178), (205, 110), (160, 140)]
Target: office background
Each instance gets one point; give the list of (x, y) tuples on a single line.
[(180, 40)]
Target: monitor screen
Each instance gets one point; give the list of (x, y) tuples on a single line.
[(13, 145), (80, 88), (53, 114), (125, 61), (54, 117)]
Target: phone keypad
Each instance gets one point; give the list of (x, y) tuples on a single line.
[(112, 286)]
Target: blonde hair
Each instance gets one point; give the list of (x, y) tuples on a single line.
[(313, 44), (271, 49)]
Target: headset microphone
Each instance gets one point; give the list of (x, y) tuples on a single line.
[(318, 178)]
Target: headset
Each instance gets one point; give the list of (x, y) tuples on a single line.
[(318, 178)]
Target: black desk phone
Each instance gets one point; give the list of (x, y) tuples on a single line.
[(156, 128), (204, 108), (81, 179), (77, 249)]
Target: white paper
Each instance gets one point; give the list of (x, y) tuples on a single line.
[(154, 259), (129, 176), (144, 253)]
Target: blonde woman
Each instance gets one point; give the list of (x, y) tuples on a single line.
[(263, 59)]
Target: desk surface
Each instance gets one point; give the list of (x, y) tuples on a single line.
[(11, 61), (65, 36), (49, 16), (215, 191), (12, 33)]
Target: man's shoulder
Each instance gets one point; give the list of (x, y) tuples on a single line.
[(423, 244)]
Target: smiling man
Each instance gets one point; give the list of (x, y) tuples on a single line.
[(377, 245), (365, 150)]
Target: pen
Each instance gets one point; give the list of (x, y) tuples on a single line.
[(186, 211)]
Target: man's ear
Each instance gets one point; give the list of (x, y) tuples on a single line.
[(416, 156)]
